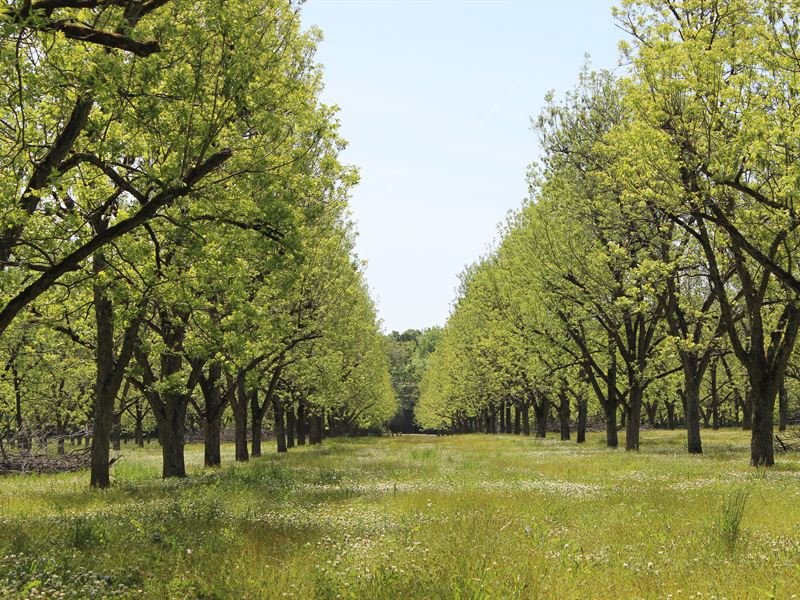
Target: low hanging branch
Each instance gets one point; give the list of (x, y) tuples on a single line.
[(42, 16), (39, 16), (105, 38), (43, 170), (73, 261)]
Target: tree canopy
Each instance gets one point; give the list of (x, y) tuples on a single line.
[(176, 233), (654, 260)]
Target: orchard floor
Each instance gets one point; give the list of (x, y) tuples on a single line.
[(415, 517)]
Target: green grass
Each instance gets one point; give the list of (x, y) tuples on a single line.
[(416, 517)]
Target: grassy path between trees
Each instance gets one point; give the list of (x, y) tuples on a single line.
[(416, 517)]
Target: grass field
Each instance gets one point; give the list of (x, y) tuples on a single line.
[(416, 517)]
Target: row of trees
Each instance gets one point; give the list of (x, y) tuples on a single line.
[(175, 243), (653, 270), (408, 354)]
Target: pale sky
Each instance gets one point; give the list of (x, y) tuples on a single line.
[(436, 98)]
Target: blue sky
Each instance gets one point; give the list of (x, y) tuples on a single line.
[(436, 98)]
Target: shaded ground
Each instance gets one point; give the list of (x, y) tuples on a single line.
[(415, 517)]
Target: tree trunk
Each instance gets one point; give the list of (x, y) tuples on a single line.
[(517, 419), (541, 411), (213, 427), (116, 431), (783, 407), (651, 409), (611, 404), (692, 385), (21, 435), (564, 415), (763, 390), (255, 441), (215, 401), (109, 373), (301, 423), (171, 433), (138, 431), (317, 423), (582, 421), (634, 418), (715, 399), (291, 426), (24, 438), (747, 411), (526, 418), (313, 437), (508, 417), (280, 430), (105, 394), (239, 404), (610, 410), (670, 414), (503, 416), (336, 426), (736, 405)]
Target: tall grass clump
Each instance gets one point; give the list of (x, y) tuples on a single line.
[(729, 523)]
